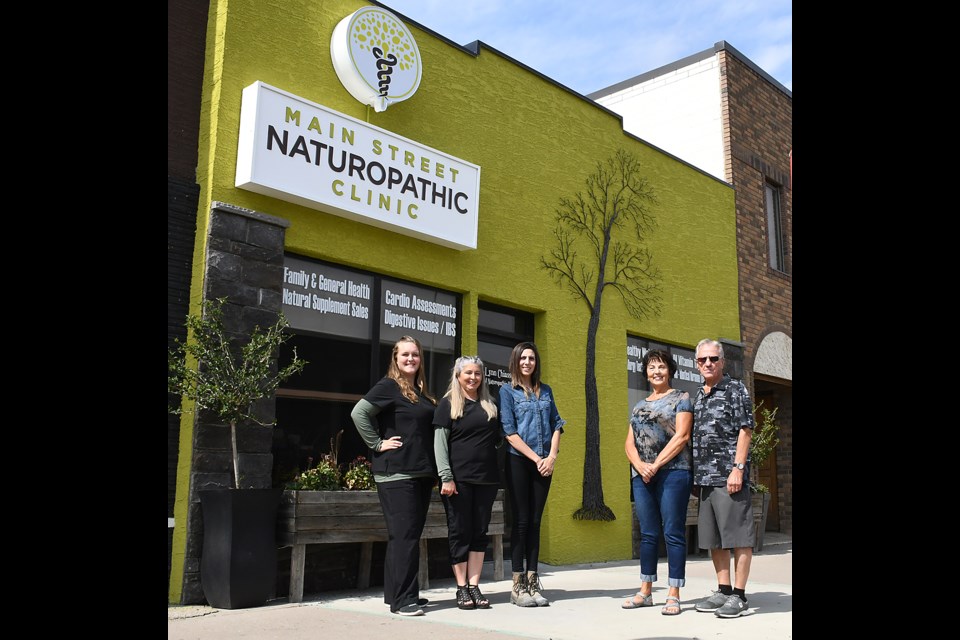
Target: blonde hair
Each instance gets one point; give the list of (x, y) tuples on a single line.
[(393, 372), (455, 392)]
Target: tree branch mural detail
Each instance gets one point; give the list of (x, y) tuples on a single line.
[(600, 243)]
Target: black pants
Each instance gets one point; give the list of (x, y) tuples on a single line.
[(528, 496), (404, 504), (468, 516)]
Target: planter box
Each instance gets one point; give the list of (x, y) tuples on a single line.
[(321, 517), (238, 568)]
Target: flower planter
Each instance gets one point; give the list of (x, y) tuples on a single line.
[(238, 568), (323, 517), (762, 523)]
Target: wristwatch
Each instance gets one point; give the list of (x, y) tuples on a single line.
[(738, 465)]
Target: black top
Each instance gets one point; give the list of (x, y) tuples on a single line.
[(412, 421), (473, 442)]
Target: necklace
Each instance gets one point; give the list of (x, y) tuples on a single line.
[(657, 396)]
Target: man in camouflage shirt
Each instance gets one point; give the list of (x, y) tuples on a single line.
[(722, 429)]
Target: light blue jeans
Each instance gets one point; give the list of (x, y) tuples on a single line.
[(661, 507)]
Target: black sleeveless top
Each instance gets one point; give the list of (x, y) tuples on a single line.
[(412, 421)]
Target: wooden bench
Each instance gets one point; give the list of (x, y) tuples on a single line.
[(323, 517)]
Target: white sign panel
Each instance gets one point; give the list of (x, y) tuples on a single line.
[(376, 57), (302, 152)]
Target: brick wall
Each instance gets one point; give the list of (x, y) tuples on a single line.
[(785, 463), (758, 137), (186, 38), (181, 230)]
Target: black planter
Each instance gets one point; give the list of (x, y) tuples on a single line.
[(238, 568)]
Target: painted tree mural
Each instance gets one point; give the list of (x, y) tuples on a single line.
[(600, 243)]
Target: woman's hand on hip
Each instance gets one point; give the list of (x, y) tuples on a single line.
[(391, 443)]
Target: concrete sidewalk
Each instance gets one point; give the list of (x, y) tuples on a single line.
[(584, 605)]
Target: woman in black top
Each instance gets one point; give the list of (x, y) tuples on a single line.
[(465, 444), (395, 419)]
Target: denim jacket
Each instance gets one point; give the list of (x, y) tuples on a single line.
[(534, 419)]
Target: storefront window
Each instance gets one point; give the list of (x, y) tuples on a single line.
[(688, 378), (499, 329), (337, 315)]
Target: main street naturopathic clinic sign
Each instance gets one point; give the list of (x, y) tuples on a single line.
[(302, 152)]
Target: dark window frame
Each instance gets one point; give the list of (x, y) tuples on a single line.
[(776, 244), (523, 330), (309, 416)]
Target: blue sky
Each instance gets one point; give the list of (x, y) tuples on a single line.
[(589, 45)]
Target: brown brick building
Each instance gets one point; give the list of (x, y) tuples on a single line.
[(721, 113), (186, 40)]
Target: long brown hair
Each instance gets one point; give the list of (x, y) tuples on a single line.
[(515, 378), (393, 372)]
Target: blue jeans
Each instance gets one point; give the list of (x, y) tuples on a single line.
[(661, 507)]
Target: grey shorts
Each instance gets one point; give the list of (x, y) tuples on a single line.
[(725, 521)]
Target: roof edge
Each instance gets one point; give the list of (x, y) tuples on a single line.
[(722, 45)]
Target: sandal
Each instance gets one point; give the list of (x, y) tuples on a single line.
[(479, 600), (676, 606), (464, 601), (645, 601)]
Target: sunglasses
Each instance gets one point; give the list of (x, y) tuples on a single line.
[(710, 358)]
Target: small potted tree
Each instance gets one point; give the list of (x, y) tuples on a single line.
[(228, 377), (762, 445)]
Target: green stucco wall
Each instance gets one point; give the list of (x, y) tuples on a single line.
[(534, 142)]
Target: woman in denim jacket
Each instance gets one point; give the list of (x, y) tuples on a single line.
[(532, 427)]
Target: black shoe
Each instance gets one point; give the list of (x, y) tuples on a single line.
[(420, 601), (479, 600), (410, 610), (464, 601)]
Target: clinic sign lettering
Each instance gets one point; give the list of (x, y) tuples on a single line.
[(325, 299), (302, 152), (496, 376), (426, 314)]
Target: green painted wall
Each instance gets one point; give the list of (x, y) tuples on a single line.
[(534, 142)]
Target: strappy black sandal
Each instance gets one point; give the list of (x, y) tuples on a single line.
[(464, 601), (479, 600)]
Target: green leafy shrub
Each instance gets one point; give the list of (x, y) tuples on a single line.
[(359, 475), (323, 477), (228, 376), (763, 443), (329, 476)]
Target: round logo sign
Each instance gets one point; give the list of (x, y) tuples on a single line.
[(376, 57)]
